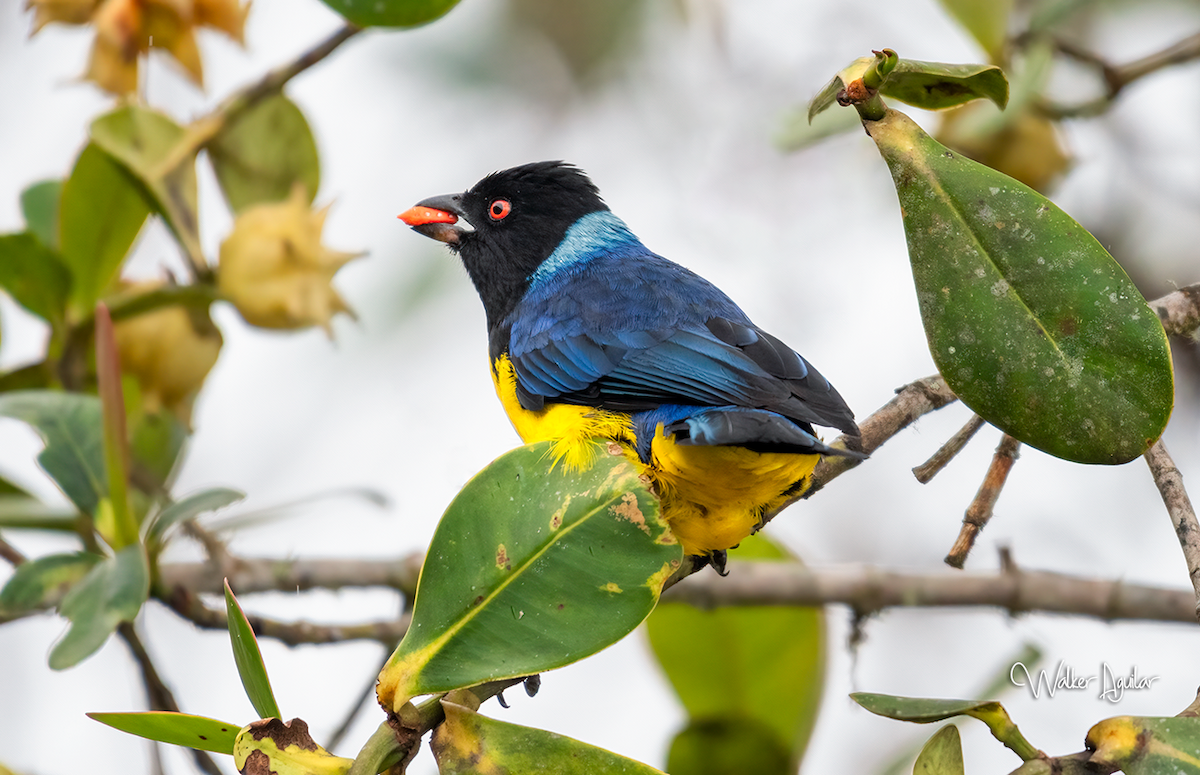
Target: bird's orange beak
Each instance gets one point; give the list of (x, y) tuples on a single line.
[(433, 222), (420, 215)]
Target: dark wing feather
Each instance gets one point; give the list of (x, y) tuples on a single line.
[(635, 337)]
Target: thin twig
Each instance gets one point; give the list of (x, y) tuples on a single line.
[(911, 402), (931, 467), (868, 590), (158, 694), (203, 130), (1117, 77), (368, 691), (980, 511), (268, 574), (188, 605), (11, 553), (1179, 506)]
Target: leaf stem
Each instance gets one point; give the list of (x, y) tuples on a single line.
[(116, 438)]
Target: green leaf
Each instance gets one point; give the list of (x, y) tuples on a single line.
[(29, 513), (112, 592), (101, 213), (1146, 746), (284, 748), (799, 131), (154, 150), (263, 153), (469, 743), (1033, 325), (41, 583), (8, 488), (70, 426), (190, 506), (719, 746), (34, 275), (531, 568), (248, 658), (986, 20), (391, 13), (35, 376), (198, 732), (759, 663), (39, 205), (156, 441), (936, 86), (827, 97), (924, 710), (942, 754)]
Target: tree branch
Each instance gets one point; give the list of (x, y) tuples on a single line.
[(1179, 311), (870, 590), (1117, 77), (158, 694), (1179, 507), (979, 513), (189, 605), (911, 402), (947, 452)]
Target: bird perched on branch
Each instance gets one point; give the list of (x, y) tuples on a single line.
[(592, 336)]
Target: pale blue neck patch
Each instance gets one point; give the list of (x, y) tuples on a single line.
[(594, 233)]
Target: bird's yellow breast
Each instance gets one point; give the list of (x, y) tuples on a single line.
[(712, 496)]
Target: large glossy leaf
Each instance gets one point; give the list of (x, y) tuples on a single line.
[(531, 568), (39, 583), (205, 734), (263, 153), (736, 744), (1147, 746), (391, 13), (192, 505), (101, 212), (764, 664), (34, 275), (112, 592), (942, 754), (151, 147), (70, 426), (284, 748), (468, 743), (1031, 322), (39, 205), (251, 668)]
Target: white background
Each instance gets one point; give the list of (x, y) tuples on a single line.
[(678, 137)]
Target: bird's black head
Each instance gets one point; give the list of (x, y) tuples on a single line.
[(518, 215)]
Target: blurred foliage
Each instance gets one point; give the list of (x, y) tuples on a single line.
[(113, 404)]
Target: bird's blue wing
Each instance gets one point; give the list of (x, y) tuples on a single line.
[(636, 335)]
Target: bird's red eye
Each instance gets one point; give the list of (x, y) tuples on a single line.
[(499, 209)]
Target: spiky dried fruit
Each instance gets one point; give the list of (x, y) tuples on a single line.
[(275, 269)]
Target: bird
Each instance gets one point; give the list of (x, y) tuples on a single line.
[(592, 336)]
